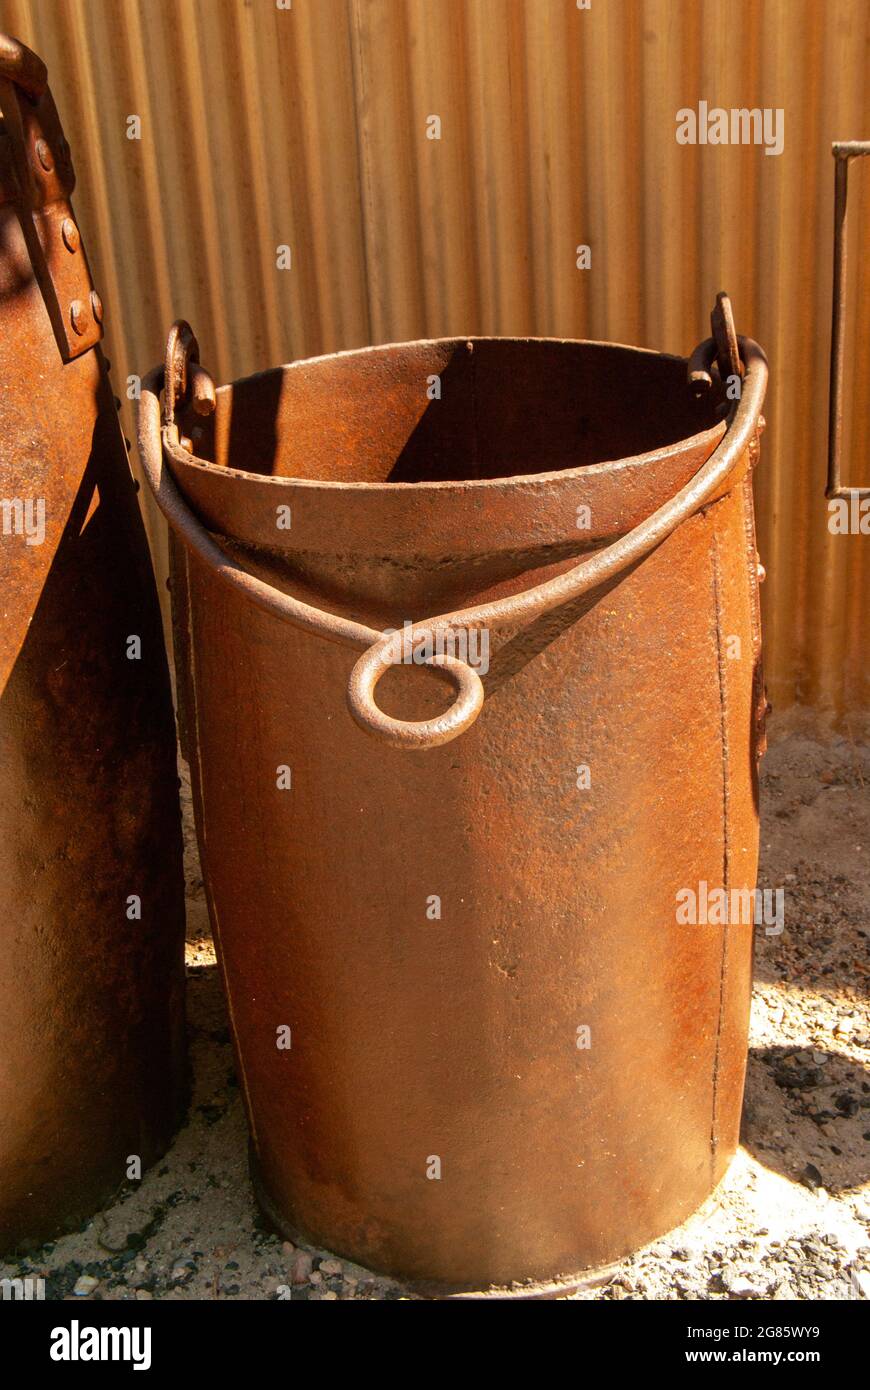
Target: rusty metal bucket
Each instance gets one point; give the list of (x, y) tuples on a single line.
[(91, 889), (476, 1046)]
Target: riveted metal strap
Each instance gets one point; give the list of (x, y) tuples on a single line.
[(36, 175)]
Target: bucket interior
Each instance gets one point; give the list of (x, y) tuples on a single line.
[(454, 410)]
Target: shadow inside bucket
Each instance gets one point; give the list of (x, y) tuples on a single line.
[(454, 410), (512, 408)]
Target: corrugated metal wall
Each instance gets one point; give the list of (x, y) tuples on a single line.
[(306, 126)]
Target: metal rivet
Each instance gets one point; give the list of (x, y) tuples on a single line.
[(43, 154), (97, 306), (77, 316), (70, 233)]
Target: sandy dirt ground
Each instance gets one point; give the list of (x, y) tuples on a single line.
[(791, 1219)]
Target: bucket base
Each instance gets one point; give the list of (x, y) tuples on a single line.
[(530, 1289)]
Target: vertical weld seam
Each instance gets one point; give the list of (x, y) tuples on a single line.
[(726, 842), (752, 561)]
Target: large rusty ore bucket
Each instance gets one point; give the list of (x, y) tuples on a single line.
[(91, 889), (476, 1046)]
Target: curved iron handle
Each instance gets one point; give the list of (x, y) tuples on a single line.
[(384, 650)]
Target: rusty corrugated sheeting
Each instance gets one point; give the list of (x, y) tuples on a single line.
[(306, 127)]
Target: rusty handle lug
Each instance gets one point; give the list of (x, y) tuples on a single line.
[(202, 392), (725, 338), (700, 365)]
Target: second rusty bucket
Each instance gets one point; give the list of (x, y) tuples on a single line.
[(470, 672)]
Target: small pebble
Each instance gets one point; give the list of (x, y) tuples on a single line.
[(740, 1287), (861, 1283)]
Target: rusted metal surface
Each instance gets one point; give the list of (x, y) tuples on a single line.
[(91, 995), (842, 151), (435, 921)]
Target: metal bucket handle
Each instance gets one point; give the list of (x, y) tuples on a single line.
[(384, 650)]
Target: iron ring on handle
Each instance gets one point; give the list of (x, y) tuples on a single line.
[(404, 733)]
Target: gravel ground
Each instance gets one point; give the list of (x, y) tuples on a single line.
[(791, 1219)]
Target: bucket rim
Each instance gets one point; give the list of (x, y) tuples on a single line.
[(604, 468)]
